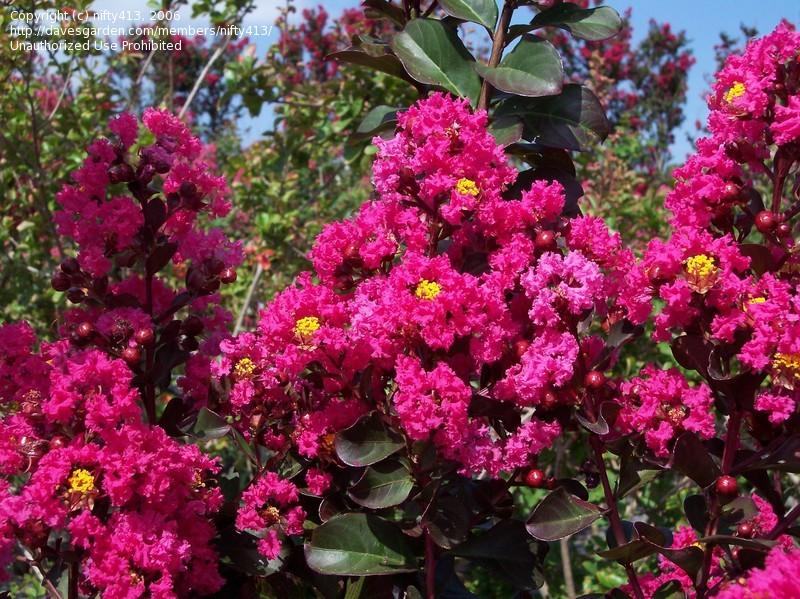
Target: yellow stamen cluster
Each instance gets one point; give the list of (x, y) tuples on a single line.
[(244, 368), (306, 326), (467, 187), (81, 481), (787, 365), (756, 300), (427, 290), (735, 91), (701, 266), (271, 515)]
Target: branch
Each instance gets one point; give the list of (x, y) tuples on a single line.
[(613, 512), (498, 43), (248, 298), (201, 77)]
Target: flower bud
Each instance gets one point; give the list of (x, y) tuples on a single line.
[(765, 221), (131, 355), (71, 266), (144, 336), (228, 275), (727, 486), (594, 379), (85, 330), (192, 326), (121, 173), (75, 295), (535, 478), (545, 240), (745, 530), (60, 281)]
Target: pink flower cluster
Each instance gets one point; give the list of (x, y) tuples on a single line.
[(83, 464), (269, 509), (451, 295), (131, 498), (662, 404), (711, 276)]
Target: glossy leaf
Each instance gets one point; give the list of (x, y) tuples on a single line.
[(691, 459), (592, 24), (359, 545), (483, 12), (210, 425), (432, 53), (366, 442), (375, 57), (506, 131), (560, 515), (376, 120), (572, 120), (533, 68), (506, 550), (382, 485)]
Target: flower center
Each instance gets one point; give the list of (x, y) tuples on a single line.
[(427, 290), (756, 300), (467, 187), (271, 515), (244, 368), (701, 266), (306, 326), (81, 481), (735, 91), (788, 367)]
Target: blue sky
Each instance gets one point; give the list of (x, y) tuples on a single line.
[(701, 19)]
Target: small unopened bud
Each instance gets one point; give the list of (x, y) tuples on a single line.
[(228, 275), (60, 281), (131, 355)]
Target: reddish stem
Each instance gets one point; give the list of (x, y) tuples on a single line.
[(498, 44), (613, 512), (430, 566), (728, 453), (785, 523)]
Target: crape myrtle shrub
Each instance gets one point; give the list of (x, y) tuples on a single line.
[(367, 437)]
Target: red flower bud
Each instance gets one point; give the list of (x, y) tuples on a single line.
[(594, 379), (60, 281), (765, 221), (85, 330), (727, 486), (131, 355), (535, 478), (745, 530), (228, 275), (144, 336), (545, 240), (71, 266)]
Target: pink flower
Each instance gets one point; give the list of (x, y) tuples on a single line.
[(318, 481), (269, 507), (776, 579), (661, 404)]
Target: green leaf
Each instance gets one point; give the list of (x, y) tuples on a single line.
[(378, 119), (382, 485), (483, 12), (691, 458), (366, 442), (573, 120), (506, 131), (533, 68), (359, 545), (506, 550), (374, 57), (592, 24), (210, 425), (432, 53), (560, 515)]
